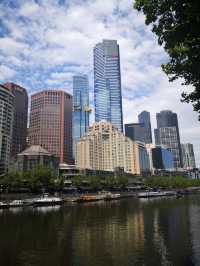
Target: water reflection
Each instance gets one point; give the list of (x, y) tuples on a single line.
[(45, 209), (127, 232)]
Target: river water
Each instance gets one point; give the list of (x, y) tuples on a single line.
[(118, 233)]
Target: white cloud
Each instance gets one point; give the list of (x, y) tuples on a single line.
[(6, 72)]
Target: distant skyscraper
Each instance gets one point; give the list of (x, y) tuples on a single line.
[(145, 120), (107, 83), (188, 156), (6, 126), (20, 118), (162, 158), (135, 131), (51, 123), (80, 107), (167, 134)]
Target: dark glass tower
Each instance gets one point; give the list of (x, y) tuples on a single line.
[(20, 118), (145, 120), (107, 83), (135, 131), (167, 134), (81, 108)]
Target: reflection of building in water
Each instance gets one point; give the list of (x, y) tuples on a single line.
[(115, 235), (159, 239), (166, 231), (195, 232)]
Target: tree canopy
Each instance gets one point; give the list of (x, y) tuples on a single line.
[(177, 25)]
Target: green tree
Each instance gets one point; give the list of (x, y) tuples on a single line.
[(177, 24)]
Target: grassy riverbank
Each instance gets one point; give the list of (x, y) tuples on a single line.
[(171, 182)]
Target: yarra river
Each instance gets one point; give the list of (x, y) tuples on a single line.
[(124, 232)]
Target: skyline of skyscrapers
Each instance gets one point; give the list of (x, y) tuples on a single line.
[(51, 123), (20, 118), (57, 127), (81, 108), (167, 134), (107, 83)]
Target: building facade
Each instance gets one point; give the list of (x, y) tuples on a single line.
[(145, 120), (51, 123), (81, 108), (107, 83), (6, 127), (167, 135), (20, 118), (34, 156), (162, 159), (105, 148), (135, 131), (188, 156)]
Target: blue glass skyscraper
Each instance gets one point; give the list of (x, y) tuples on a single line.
[(81, 108), (107, 83)]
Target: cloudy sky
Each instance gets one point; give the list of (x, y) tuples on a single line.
[(43, 43)]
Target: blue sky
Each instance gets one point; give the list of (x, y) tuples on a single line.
[(44, 43)]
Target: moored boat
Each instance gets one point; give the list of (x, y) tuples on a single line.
[(112, 196), (16, 203), (88, 198), (4, 205), (47, 201), (151, 194)]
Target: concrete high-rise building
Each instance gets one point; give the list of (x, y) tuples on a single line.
[(105, 148), (145, 120), (107, 83), (20, 118), (51, 123), (81, 108), (188, 156), (6, 126), (167, 135)]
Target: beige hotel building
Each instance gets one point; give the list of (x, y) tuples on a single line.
[(105, 148)]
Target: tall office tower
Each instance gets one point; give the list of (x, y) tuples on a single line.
[(20, 118), (81, 108), (188, 156), (6, 126), (145, 120), (107, 83), (167, 134), (135, 131), (51, 123)]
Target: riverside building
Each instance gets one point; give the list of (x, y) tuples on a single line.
[(20, 118), (6, 126), (107, 83), (105, 148), (51, 123)]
